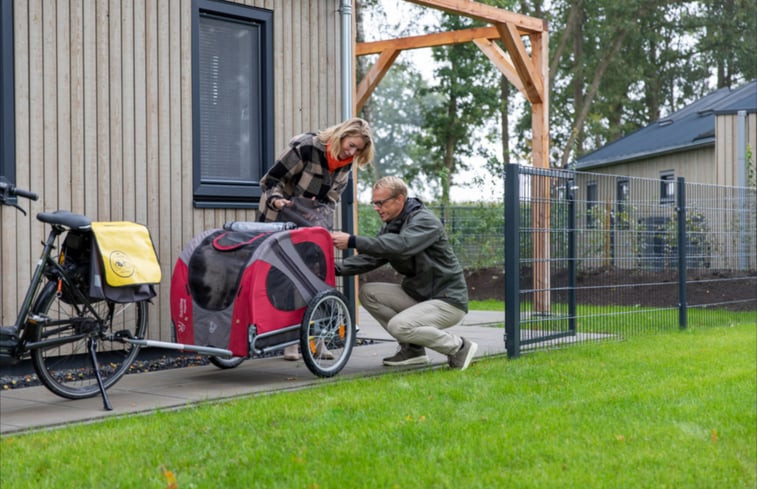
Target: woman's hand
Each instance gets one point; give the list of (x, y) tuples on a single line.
[(281, 203)]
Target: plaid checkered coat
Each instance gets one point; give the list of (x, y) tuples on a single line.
[(302, 170)]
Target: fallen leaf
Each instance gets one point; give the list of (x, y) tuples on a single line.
[(170, 478)]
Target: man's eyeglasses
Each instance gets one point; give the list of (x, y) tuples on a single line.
[(380, 203)]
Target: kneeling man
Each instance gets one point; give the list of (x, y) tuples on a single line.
[(433, 294)]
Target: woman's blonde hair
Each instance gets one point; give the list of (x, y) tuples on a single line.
[(351, 127)]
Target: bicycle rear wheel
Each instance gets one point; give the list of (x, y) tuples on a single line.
[(67, 369)]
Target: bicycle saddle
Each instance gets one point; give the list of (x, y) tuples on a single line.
[(68, 219)]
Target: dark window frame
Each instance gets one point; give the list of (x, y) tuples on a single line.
[(622, 197), (219, 194), (592, 201), (667, 187), (7, 94)]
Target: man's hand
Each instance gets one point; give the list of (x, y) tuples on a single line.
[(340, 239)]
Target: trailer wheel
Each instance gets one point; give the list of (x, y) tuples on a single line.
[(226, 362), (327, 333)]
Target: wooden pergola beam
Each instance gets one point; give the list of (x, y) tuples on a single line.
[(427, 40), (500, 59), (486, 13), (374, 77), (527, 71)]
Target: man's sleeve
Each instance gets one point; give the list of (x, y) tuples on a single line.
[(411, 240), (357, 264)]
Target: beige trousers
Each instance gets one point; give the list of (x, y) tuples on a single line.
[(410, 321)]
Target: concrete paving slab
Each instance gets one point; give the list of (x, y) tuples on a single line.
[(34, 408)]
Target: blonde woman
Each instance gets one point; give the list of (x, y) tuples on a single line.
[(308, 178), (315, 167)]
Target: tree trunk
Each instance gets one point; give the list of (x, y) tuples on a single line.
[(591, 93)]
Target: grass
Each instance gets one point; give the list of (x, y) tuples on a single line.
[(486, 305), (672, 410), (622, 320)]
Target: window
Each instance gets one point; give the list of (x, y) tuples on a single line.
[(7, 109), (667, 187), (232, 102), (623, 191), (591, 205)]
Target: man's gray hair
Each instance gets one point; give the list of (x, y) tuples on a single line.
[(392, 183)]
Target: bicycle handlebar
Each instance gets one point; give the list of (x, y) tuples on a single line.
[(8, 190)]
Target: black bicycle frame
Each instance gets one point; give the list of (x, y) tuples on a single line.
[(46, 262)]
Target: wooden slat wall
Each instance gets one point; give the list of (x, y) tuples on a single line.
[(104, 119), (697, 165), (726, 146)]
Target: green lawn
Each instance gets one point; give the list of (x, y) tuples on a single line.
[(672, 410), (620, 320)]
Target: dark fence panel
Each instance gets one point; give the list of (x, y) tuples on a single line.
[(614, 266)]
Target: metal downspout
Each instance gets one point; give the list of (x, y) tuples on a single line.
[(348, 198), (345, 13)]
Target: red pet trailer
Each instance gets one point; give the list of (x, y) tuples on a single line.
[(253, 288)]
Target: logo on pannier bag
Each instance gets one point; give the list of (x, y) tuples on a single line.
[(121, 264)]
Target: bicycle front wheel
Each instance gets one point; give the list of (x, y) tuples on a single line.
[(67, 369)]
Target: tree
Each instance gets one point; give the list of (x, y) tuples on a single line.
[(617, 66), (396, 110), (467, 94), (726, 35)]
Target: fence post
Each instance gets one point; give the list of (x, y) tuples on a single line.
[(349, 225), (570, 193), (683, 245), (512, 260)]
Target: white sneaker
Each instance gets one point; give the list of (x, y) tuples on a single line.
[(292, 353)]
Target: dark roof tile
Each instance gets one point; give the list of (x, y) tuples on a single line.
[(689, 128)]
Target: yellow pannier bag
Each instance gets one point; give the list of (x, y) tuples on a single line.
[(127, 254)]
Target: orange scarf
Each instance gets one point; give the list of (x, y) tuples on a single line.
[(334, 164)]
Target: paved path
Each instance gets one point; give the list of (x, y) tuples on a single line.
[(34, 408)]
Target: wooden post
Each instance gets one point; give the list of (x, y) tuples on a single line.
[(540, 189)]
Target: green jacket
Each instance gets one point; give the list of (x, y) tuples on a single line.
[(416, 246)]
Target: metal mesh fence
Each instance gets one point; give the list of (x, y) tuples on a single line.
[(599, 255)]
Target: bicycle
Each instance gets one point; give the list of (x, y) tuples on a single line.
[(59, 325)]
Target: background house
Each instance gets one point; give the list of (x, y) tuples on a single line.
[(699, 142), (628, 187), (113, 109)]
